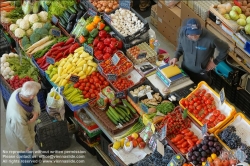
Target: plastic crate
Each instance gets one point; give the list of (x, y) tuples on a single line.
[(117, 161), (242, 125), (105, 143), (52, 134), (42, 72), (81, 141), (225, 108), (4, 44), (101, 160), (242, 101)]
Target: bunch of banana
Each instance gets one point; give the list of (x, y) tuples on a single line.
[(79, 64), (74, 95)]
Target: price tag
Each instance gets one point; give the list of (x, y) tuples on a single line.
[(125, 4), (74, 78), (99, 68), (222, 96), (142, 55), (56, 32), (50, 60), (240, 155), (120, 94), (163, 132), (54, 19), (207, 163), (88, 49), (107, 18), (160, 147), (144, 108), (111, 77), (149, 95), (204, 129), (91, 12), (115, 59)]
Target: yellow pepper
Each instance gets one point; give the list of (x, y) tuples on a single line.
[(97, 19), (90, 27)]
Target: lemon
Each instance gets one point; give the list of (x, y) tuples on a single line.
[(57, 97), (127, 144), (117, 145), (213, 156), (203, 163), (122, 142), (52, 94), (209, 159)]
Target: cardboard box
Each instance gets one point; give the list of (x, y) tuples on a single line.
[(153, 21), (167, 31), (154, 11), (172, 16), (187, 12)]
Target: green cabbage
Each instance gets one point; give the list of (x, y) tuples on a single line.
[(27, 7), (247, 29)]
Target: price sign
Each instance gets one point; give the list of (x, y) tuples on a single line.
[(125, 4), (107, 18), (50, 60), (120, 95), (204, 129), (149, 95), (142, 55), (88, 49), (54, 19), (99, 68), (222, 96), (160, 147), (240, 155), (56, 32), (144, 108), (163, 132), (74, 78), (115, 59), (111, 77), (91, 12)]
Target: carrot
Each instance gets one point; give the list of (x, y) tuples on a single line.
[(8, 8), (5, 4)]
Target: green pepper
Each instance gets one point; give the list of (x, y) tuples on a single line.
[(90, 40), (85, 32), (107, 28), (94, 32)]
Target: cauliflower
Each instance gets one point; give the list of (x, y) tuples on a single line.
[(13, 27), (19, 33), (26, 17), (43, 16), (37, 25), (24, 24), (29, 32), (18, 21), (33, 18)]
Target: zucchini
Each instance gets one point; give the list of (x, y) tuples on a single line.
[(62, 20), (79, 15), (70, 12), (81, 6), (75, 6), (63, 25), (66, 14), (69, 27), (71, 8), (72, 17), (65, 18)]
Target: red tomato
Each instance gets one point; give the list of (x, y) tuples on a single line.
[(84, 92), (87, 84), (76, 85), (87, 95), (86, 88), (81, 88), (83, 84)]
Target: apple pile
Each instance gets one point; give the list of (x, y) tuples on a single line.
[(137, 140)]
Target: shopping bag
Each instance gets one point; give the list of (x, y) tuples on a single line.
[(57, 113), (54, 98)]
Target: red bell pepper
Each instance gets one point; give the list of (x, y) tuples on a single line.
[(98, 54), (102, 34), (119, 44), (96, 41), (113, 39), (108, 50), (113, 44), (100, 45), (107, 41), (106, 56)]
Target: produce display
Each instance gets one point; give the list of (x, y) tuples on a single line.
[(105, 6), (11, 11), (74, 95)]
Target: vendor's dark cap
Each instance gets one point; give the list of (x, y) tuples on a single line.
[(193, 27)]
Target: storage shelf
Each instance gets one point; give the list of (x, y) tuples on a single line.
[(104, 156), (233, 55), (102, 127)]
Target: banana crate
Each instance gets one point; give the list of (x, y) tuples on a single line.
[(135, 52), (225, 108)]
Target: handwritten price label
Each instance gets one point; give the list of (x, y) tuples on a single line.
[(56, 32), (115, 59), (50, 60), (112, 77), (88, 48), (120, 94), (54, 19), (91, 12), (74, 78), (107, 18), (125, 4)]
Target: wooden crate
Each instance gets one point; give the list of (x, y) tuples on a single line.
[(153, 21)]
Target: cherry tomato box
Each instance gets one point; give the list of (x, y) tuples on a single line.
[(204, 106)]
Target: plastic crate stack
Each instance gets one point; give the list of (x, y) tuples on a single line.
[(51, 134), (4, 44), (242, 101)]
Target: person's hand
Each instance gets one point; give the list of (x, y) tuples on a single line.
[(173, 61), (34, 118), (29, 149), (211, 65)]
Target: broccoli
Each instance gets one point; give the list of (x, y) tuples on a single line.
[(47, 25), (42, 31), (25, 41), (34, 38)]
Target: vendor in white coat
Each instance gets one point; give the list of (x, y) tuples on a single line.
[(22, 112)]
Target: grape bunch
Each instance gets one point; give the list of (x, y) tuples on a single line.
[(246, 149), (230, 137)]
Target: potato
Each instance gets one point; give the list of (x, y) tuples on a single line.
[(248, 1), (244, 3), (243, 8), (248, 10), (247, 13), (248, 5)]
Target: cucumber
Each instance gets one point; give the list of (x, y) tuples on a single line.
[(81, 6), (63, 25), (71, 8), (65, 18), (120, 112), (115, 113), (69, 11), (126, 109), (111, 118), (75, 6), (62, 20), (125, 102), (124, 112), (66, 14)]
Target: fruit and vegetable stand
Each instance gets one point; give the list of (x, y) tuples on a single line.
[(88, 53)]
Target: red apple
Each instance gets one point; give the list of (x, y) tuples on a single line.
[(135, 143), (139, 139), (130, 138), (142, 145)]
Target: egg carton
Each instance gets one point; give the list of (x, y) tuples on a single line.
[(150, 57)]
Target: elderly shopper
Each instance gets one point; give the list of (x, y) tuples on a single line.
[(22, 112)]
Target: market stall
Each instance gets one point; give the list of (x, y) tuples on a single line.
[(104, 66)]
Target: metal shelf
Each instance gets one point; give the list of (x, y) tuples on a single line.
[(104, 156)]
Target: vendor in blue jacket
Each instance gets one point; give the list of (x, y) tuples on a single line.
[(197, 45)]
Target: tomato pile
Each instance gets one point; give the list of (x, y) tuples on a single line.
[(17, 82), (123, 83), (202, 105), (121, 67), (175, 122), (105, 45), (185, 140), (91, 85)]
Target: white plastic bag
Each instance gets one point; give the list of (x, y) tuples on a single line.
[(55, 99)]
